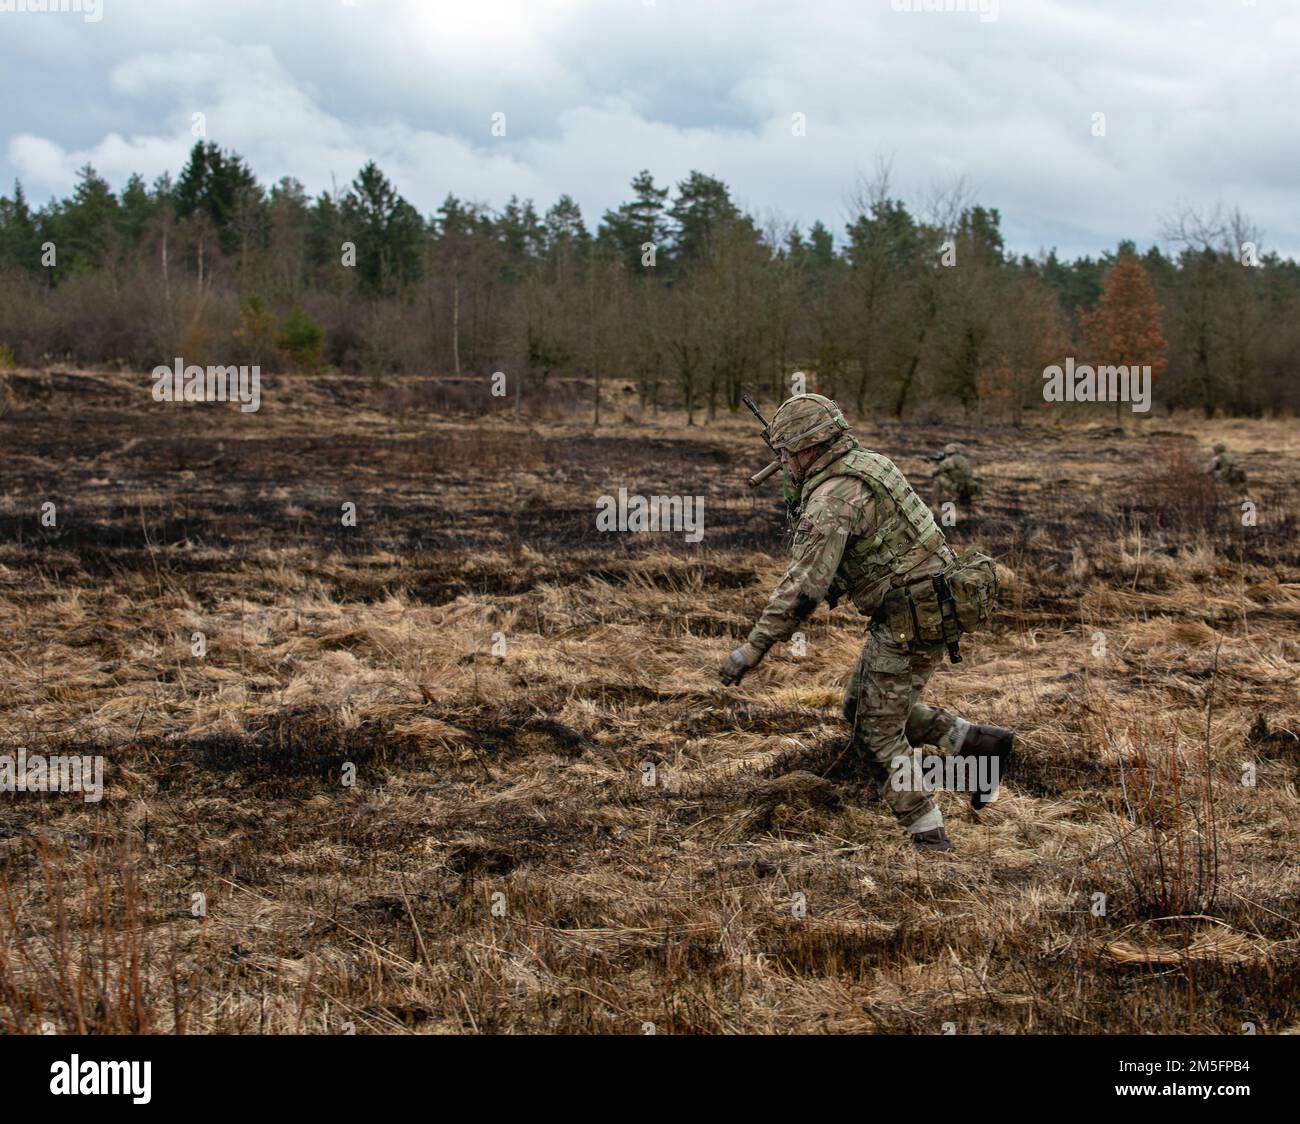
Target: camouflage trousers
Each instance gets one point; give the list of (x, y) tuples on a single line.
[(889, 722)]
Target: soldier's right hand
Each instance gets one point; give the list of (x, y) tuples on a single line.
[(738, 661)]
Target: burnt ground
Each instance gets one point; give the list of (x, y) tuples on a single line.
[(406, 784)]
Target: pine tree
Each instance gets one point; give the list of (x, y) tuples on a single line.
[(637, 223), (821, 246), (221, 186), (566, 233), (701, 211), (522, 236), (325, 240), (85, 227), (388, 231), (136, 211), (20, 240)]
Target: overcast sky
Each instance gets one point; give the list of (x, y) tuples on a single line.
[(1201, 101)]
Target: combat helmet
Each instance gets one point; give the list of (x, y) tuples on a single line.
[(1220, 447), (952, 449), (804, 421)]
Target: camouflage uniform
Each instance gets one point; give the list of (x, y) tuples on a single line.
[(1225, 469), (953, 477), (861, 533)]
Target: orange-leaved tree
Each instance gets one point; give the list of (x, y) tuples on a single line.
[(1124, 327)]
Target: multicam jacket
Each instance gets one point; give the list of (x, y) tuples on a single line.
[(861, 531)]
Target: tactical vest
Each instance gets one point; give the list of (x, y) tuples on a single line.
[(905, 537)]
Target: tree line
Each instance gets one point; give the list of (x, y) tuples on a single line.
[(916, 308)]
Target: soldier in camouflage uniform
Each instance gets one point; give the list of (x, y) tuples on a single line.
[(953, 477), (863, 533), (1225, 469)]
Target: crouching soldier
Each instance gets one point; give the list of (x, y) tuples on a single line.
[(1225, 469), (863, 533), (953, 477)]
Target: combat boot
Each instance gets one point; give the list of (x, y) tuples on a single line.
[(989, 741), (936, 839)]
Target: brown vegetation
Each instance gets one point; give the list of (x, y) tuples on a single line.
[(1146, 655)]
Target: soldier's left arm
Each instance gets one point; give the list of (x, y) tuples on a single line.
[(831, 518)]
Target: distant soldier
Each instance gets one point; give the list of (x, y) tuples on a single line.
[(1225, 469), (953, 477), (862, 533)]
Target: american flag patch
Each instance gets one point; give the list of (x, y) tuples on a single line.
[(805, 525)]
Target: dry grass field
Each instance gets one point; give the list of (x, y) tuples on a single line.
[(495, 674)]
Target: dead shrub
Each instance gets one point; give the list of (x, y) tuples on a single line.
[(1183, 496)]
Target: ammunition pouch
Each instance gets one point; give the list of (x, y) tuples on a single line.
[(939, 608)]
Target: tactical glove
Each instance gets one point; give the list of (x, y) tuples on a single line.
[(737, 662)]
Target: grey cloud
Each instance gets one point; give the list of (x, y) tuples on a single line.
[(1197, 97)]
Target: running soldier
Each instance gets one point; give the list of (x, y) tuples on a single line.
[(863, 533)]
